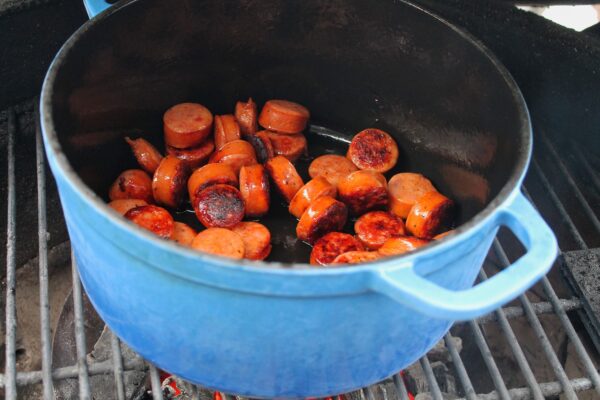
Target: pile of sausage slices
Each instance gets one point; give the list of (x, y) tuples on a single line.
[(225, 166)]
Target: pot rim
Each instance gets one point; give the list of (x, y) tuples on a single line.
[(501, 200)]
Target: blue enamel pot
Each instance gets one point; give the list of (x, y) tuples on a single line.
[(282, 328)]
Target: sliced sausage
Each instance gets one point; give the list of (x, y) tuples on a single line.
[(210, 174), (363, 191), (219, 206), (332, 167), (194, 157), (324, 215), (284, 175), (308, 193), (168, 184), (375, 227), (220, 242), (405, 189), (226, 130), (236, 153), (132, 184), (123, 205), (283, 116), (373, 149), (356, 257), (145, 154), (257, 239), (254, 187), (187, 125), (183, 234), (289, 146), (428, 214), (443, 235), (262, 145), (153, 218), (245, 114), (400, 245), (327, 248)]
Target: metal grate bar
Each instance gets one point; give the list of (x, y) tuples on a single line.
[(84, 381), (540, 333), (549, 390), (117, 361), (228, 397), (576, 191), (195, 393), (46, 337), (369, 393), (434, 388), (460, 368), (516, 349), (490, 363), (542, 307), (10, 378), (401, 387), (570, 330), (155, 383), (558, 204), (582, 158)]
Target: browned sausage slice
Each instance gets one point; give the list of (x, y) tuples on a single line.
[(363, 191), (194, 157), (145, 154), (257, 239), (262, 145), (332, 167), (187, 125), (400, 245), (210, 174), (220, 242), (254, 187), (183, 234), (168, 184), (324, 215), (283, 116), (219, 206), (226, 130), (428, 214), (373, 149), (245, 114), (289, 146), (132, 184), (327, 248), (155, 219), (405, 189), (308, 193), (443, 235), (123, 205), (284, 175), (236, 153), (356, 257), (375, 227)]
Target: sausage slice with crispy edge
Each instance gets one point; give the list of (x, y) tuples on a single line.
[(284, 176), (153, 218), (257, 239), (400, 245), (308, 193), (219, 241), (187, 125), (168, 184), (428, 215), (289, 146), (246, 116), (254, 187), (375, 227), (236, 153), (405, 189), (328, 247), (132, 184), (211, 174), (219, 206), (194, 157), (373, 149), (324, 215), (145, 154), (363, 191), (332, 167), (283, 116)]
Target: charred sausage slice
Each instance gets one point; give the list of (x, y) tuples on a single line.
[(324, 215), (363, 191), (219, 206), (168, 184), (308, 193), (328, 247), (153, 218), (132, 184), (284, 176), (194, 157), (373, 149), (375, 227)]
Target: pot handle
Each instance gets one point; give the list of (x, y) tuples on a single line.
[(94, 7), (407, 287)]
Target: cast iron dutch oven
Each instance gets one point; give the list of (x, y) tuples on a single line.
[(285, 329)]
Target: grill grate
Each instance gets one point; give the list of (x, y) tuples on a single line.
[(564, 385)]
